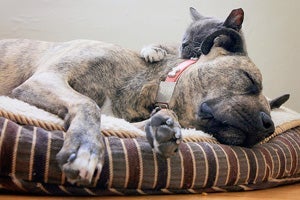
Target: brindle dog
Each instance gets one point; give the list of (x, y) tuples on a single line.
[(220, 93)]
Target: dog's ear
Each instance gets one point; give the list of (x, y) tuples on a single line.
[(235, 19), (231, 41), (277, 102), (195, 15)]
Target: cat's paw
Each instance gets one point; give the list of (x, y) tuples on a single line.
[(164, 132), (153, 54)]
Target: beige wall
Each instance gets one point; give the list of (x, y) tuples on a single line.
[(271, 28)]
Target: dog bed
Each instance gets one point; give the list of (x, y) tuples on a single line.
[(28, 165)]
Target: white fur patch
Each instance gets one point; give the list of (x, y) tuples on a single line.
[(107, 108), (153, 54)]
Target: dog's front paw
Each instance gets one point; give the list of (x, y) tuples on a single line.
[(164, 132), (80, 156), (153, 53)]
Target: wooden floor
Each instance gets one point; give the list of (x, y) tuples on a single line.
[(290, 192)]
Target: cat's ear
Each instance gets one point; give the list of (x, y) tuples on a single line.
[(235, 19), (195, 14)]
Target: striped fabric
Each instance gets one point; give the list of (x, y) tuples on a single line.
[(28, 165)]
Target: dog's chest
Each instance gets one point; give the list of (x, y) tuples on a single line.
[(106, 108)]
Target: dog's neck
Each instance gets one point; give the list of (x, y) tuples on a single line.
[(166, 88), (141, 90)]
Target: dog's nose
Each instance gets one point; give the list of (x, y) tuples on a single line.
[(267, 123), (205, 111)]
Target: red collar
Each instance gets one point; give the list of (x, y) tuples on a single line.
[(174, 75), (166, 88)]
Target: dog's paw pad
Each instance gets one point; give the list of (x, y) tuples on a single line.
[(153, 54), (79, 165), (164, 133)]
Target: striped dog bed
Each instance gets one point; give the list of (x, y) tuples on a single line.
[(28, 165)]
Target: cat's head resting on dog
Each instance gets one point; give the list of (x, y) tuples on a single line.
[(203, 26)]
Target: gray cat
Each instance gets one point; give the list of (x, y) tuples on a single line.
[(201, 35), (203, 26)]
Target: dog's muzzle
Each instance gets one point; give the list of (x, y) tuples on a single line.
[(242, 129)]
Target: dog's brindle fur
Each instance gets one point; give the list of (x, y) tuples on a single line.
[(74, 79)]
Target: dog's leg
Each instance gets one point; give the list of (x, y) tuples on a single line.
[(164, 132), (83, 147)]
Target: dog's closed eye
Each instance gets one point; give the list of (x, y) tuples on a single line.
[(254, 87)]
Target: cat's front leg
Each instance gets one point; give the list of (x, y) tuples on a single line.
[(155, 53)]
